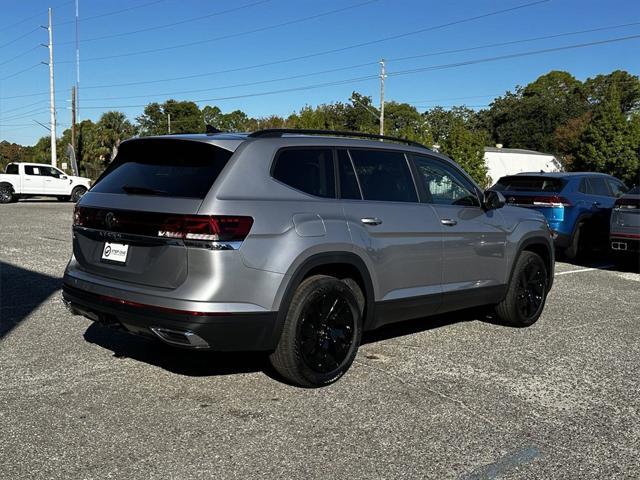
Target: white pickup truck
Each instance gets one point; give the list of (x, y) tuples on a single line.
[(22, 180)]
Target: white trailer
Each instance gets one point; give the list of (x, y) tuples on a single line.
[(509, 161)]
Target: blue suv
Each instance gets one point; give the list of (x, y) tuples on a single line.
[(577, 205)]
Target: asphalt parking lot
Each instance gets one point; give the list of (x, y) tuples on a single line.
[(448, 397)]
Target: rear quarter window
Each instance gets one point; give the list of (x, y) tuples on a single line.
[(12, 170), (171, 168), (309, 170), (530, 183)]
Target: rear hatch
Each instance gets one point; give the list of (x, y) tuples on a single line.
[(131, 226), (539, 192), (625, 219)]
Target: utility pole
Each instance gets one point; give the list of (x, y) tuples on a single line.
[(52, 98), (73, 117), (77, 93), (383, 75), (169, 123)]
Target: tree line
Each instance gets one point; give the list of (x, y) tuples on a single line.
[(592, 125)]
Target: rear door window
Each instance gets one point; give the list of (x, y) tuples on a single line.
[(599, 186), (31, 170), (384, 175), (169, 168), (529, 183), (309, 170)]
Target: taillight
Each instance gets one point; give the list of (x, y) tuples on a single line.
[(208, 228), (552, 201), (226, 228), (627, 203)]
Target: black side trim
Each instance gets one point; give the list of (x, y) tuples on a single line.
[(319, 260), (392, 311)]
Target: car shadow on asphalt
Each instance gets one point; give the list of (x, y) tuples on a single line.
[(21, 292), (173, 359), (199, 364)]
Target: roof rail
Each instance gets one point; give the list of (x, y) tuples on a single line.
[(278, 132)]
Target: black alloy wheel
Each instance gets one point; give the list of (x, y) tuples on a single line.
[(532, 285), (326, 332)]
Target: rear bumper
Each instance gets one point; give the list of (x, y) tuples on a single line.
[(243, 331), (624, 243)]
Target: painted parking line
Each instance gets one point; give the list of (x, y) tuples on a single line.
[(603, 267)]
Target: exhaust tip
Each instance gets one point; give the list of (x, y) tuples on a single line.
[(184, 338)]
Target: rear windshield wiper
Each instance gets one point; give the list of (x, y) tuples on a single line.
[(143, 190)]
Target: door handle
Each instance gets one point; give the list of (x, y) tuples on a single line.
[(449, 222), (373, 221)]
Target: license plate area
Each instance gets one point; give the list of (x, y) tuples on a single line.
[(115, 253)]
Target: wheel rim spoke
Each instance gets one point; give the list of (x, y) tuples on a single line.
[(326, 332), (531, 287)]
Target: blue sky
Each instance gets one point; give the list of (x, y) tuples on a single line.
[(253, 35)]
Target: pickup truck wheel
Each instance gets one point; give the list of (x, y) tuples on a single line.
[(77, 193), (527, 292), (6, 194), (321, 334)]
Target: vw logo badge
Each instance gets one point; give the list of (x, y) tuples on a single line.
[(110, 220)]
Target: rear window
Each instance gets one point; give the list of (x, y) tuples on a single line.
[(169, 168), (530, 184)]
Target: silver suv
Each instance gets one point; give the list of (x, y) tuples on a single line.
[(295, 242)]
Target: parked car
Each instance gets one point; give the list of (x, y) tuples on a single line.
[(624, 233), (295, 242), (577, 205), (23, 180)]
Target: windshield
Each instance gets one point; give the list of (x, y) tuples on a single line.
[(164, 167)]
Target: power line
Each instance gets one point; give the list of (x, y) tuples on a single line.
[(401, 72), (22, 107), (11, 42), (37, 15), (316, 54), (350, 67), (234, 35), (20, 55), (20, 72), (173, 24), (111, 13), (513, 55)]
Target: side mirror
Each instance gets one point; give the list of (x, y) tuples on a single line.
[(63, 177), (492, 200)]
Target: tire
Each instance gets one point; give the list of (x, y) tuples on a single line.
[(526, 293), (6, 194), (319, 341), (77, 193), (571, 252)]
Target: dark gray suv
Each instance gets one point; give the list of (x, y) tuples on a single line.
[(295, 242)]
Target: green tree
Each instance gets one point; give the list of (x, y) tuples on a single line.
[(529, 117), (186, 117), (626, 85), (611, 142), (452, 132)]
